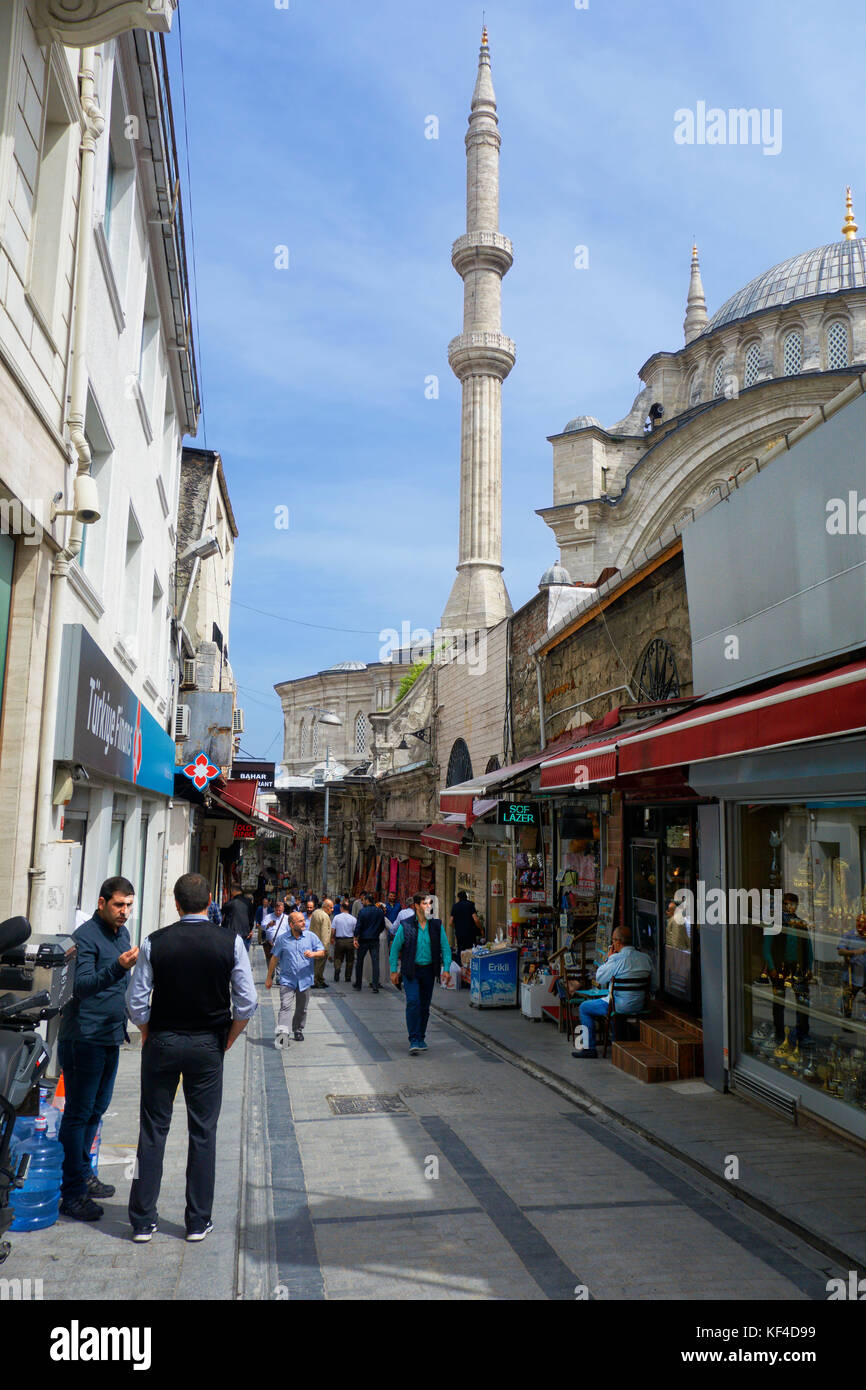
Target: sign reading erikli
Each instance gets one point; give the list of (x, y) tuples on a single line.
[(738, 906)]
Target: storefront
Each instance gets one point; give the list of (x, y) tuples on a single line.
[(781, 888), (114, 777)]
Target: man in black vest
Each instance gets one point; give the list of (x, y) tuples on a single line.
[(203, 997), (420, 951)]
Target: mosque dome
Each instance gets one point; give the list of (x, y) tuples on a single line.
[(827, 270), (348, 666), (582, 422), (557, 574)]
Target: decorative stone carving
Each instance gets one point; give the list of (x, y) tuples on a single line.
[(80, 23)]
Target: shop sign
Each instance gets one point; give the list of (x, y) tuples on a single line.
[(200, 770), (247, 771), (102, 723), (244, 831), (517, 813)]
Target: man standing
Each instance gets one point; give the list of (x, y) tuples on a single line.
[(320, 925), (91, 1031), (203, 997), (852, 949), (371, 924), (420, 952), (344, 925), (623, 961), (294, 952), (464, 922)]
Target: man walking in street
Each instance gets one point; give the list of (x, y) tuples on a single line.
[(92, 1028), (419, 953), (465, 923), (320, 925), (239, 916), (203, 995), (371, 924), (294, 954), (344, 925)]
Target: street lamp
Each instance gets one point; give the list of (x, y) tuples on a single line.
[(325, 716)]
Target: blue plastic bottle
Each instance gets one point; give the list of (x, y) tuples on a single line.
[(36, 1203)]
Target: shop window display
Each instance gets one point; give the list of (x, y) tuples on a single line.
[(804, 985)]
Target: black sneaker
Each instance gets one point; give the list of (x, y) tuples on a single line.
[(200, 1235), (298, 1035), (95, 1188), (81, 1208), (141, 1234)]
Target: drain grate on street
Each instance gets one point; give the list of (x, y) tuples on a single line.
[(366, 1105)]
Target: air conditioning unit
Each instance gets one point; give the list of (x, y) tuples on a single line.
[(190, 674), (238, 722), (181, 723)]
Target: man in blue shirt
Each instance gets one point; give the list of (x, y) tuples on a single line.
[(622, 962), (852, 949), (294, 952), (91, 1031), (419, 951)]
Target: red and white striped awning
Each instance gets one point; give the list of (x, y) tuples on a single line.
[(580, 767), (238, 797)]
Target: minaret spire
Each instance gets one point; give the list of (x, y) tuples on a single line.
[(696, 304), (849, 226), (481, 358)]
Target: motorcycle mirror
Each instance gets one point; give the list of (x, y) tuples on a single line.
[(13, 932)]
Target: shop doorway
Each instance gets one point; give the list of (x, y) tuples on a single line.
[(497, 870), (661, 861)]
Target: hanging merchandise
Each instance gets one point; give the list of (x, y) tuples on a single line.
[(393, 871), (414, 877)]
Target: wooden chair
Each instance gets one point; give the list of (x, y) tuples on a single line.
[(634, 982)]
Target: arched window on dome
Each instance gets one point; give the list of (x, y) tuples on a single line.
[(719, 377), (316, 739), (459, 764), (752, 364), (361, 733), (792, 353), (837, 346), (693, 396)]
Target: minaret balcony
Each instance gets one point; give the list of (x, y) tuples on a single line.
[(482, 251), (482, 354), (82, 23)]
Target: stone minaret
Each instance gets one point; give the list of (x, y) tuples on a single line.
[(481, 359), (696, 304)]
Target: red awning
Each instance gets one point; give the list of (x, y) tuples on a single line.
[(580, 767), (239, 799), (444, 837), (798, 711)]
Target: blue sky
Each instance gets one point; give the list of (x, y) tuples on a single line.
[(307, 130)]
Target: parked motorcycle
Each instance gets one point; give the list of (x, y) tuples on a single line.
[(24, 1057)]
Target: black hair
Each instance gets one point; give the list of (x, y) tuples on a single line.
[(116, 886), (192, 892)]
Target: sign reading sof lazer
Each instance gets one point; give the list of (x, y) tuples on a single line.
[(103, 725)]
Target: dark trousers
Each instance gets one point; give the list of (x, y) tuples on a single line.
[(344, 950), (801, 1001), (165, 1057), (365, 948), (89, 1070), (418, 993)]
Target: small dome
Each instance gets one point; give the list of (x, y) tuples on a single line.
[(557, 574), (826, 270), (582, 422), (348, 666)]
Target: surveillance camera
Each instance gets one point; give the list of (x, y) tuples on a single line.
[(80, 773), (85, 500)]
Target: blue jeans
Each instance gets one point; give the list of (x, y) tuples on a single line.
[(89, 1070), (418, 993), (589, 1011)]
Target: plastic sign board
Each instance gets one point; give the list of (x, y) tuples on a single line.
[(200, 770), (521, 813), (244, 831)]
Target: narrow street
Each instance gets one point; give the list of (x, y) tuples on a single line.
[(481, 1183)]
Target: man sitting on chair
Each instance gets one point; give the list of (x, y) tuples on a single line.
[(622, 962)]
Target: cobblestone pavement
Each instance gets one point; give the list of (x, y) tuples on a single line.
[(480, 1184)]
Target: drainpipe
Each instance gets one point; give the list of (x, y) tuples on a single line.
[(541, 728), (94, 124)]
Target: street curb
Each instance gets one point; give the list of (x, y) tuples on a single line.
[(591, 1105)]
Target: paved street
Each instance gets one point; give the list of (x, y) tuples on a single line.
[(483, 1185)]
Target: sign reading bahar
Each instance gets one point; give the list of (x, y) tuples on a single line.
[(102, 724)]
